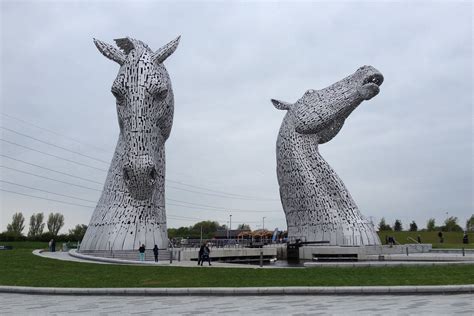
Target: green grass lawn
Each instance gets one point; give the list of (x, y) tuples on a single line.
[(20, 267), (451, 239)]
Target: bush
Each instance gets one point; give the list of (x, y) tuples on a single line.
[(11, 236), (47, 236)]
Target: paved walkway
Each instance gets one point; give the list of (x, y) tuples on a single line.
[(20, 304)]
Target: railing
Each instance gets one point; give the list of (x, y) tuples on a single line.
[(223, 243), (412, 239)]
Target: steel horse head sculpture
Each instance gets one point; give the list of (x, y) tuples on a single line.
[(131, 210), (316, 203)]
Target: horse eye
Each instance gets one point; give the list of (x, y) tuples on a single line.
[(160, 95), (117, 95)]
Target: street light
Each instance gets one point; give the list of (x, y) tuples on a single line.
[(230, 225), (263, 229)]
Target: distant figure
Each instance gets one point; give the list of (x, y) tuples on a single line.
[(155, 252), (440, 235), (142, 252), (206, 255), (465, 238), (386, 239), (50, 245), (419, 239), (200, 254), (391, 241), (53, 245)]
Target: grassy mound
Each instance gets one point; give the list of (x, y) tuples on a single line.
[(451, 239)]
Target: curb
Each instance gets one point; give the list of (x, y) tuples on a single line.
[(383, 264), (242, 291), (74, 253)]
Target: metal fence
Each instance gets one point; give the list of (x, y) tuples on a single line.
[(222, 243)]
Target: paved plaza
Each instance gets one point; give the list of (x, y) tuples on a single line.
[(21, 304)]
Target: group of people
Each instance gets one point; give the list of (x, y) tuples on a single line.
[(141, 250), (204, 254)]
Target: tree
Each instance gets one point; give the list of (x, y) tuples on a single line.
[(413, 226), (243, 227), (430, 225), (55, 223), (209, 229), (17, 225), (383, 226), (78, 232), (451, 225), (470, 224), (398, 226), (36, 225)]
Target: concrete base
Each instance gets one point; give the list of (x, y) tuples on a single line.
[(232, 253), (311, 252)]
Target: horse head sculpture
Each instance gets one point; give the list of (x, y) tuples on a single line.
[(145, 106), (317, 205), (323, 112), (131, 209)]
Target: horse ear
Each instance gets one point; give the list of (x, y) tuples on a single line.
[(281, 105), (164, 52), (110, 52)]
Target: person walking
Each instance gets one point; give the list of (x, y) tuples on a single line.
[(142, 252), (440, 235), (206, 255), (200, 254), (155, 252)]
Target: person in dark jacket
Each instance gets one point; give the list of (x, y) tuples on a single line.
[(440, 235), (465, 238), (142, 252), (201, 252), (155, 252), (206, 255)]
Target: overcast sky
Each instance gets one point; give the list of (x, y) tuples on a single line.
[(406, 154)]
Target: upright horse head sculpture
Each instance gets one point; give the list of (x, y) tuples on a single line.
[(317, 205), (131, 210)]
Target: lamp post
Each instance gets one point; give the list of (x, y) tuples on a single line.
[(263, 228), (230, 226), (201, 236)]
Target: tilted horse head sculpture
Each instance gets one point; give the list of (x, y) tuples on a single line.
[(317, 205), (145, 105), (131, 209)]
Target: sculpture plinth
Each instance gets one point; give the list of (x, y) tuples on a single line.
[(316, 203), (131, 209)]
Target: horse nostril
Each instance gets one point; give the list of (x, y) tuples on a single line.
[(153, 173), (126, 176)]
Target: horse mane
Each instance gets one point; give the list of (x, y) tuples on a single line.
[(128, 44)]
